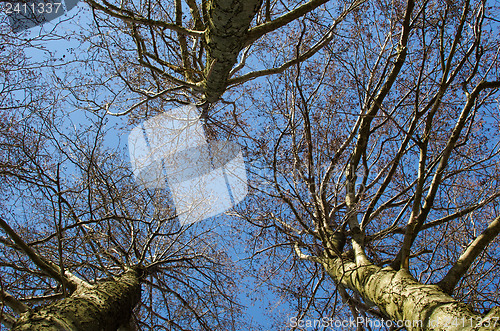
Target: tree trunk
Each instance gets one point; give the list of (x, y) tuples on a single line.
[(407, 302), (228, 22), (105, 306)]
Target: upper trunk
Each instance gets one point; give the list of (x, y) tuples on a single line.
[(403, 299), (104, 306), (228, 22)]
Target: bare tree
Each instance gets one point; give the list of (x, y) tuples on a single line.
[(93, 235), (80, 239), (382, 154), (154, 52)]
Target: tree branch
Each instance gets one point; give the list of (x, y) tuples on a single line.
[(7, 319), (258, 31), (415, 224), (300, 58), (476, 247), (132, 17), (16, 305), (302, 255), (195, 14), (48, 267)]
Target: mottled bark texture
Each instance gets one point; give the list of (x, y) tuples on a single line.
[(227, 22), (104, 306), (402, 298)]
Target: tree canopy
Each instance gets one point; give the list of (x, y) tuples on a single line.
[(370, 131)]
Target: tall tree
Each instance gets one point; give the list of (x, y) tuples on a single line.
[(79, 238), (388, 141), (188, 51), (126, 237)]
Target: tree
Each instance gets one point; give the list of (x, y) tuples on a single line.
[(389, 140), (80, 239), (162, 54)]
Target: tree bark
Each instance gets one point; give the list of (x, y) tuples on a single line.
[(228, 22), (104, 306), (228, 32), (404, 300)]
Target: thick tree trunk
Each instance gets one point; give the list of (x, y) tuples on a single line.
[(406, 301), (228, 22), (104, 306)]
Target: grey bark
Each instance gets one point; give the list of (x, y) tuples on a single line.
[(228, 32), (403, 299), (227, 23), (104, 306)]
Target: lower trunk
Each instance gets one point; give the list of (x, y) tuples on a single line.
[(407, 302), (104, 306)]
